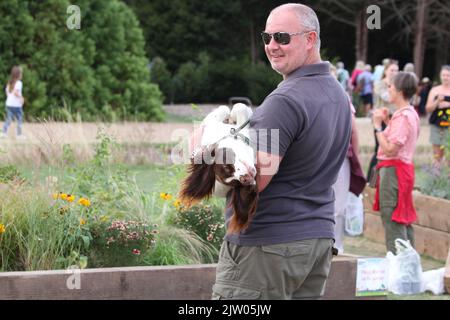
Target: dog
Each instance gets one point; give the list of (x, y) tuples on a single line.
[(224, 161)]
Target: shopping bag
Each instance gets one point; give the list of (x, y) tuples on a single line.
[(354, 215), (433, 280), (404, 269)]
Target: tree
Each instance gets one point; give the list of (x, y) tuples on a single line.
[(83, 70)]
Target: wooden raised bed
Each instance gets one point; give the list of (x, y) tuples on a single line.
[(432, 228), (192, 282)]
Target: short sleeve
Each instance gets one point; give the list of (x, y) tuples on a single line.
[(18, 86), (399, 132), (276, 124)]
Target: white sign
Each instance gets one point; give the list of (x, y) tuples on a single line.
[(371, 277)]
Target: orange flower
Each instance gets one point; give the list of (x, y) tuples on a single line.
[(84, 202)]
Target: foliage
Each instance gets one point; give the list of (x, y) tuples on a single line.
[(82, 71), (93, 214), (437, 181), (216, 80), (205, 220), (9, 173), (120, 242)]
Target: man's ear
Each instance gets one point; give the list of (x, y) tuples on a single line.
[(311, 40)]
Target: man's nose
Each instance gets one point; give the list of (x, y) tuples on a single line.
[(273, 45)]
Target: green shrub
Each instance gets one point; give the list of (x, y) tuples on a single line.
[(120, 242), (9, 173), (205, 220), (80, 71)]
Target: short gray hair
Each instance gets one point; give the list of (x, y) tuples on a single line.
[(445, 67), (406, 83), (307, 16)]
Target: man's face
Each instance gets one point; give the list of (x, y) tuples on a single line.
[(286, 58)]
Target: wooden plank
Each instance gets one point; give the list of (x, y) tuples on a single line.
[(157, 283), (447, 273), (432, 212), (430, 242)]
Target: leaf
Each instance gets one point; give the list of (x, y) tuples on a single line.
[(86, 241), (82, 263)]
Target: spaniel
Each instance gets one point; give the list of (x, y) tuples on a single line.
[(224, 160)]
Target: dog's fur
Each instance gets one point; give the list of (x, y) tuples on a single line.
[(224, 163)]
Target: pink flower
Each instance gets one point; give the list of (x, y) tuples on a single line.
[(136, 252)]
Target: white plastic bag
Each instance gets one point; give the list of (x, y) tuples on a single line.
[(433, 281), (354, 215), (404, 269)]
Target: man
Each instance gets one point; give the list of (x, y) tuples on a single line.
[(286, 251), (343, 76), (365, 85)]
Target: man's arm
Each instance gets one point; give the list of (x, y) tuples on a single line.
[(267, 166)]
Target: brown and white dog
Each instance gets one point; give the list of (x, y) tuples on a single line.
[(223, 161)]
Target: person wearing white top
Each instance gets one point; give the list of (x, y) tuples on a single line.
[(14, 101)]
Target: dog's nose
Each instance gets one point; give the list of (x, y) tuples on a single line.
[(247, 179)]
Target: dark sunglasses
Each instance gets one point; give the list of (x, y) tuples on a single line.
[(279, 37)]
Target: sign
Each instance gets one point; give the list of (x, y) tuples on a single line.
[(371, 277)]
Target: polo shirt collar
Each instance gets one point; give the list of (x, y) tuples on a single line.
[(310, 70)]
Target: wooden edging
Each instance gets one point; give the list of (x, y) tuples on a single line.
[(192, 282), (432, 229)]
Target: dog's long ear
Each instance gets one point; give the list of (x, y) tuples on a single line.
[(243, 200), (200, 180)]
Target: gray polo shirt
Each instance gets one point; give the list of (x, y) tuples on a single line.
[(311, 112)]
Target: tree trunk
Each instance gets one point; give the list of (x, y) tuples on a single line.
[(253, 51), (420, 39), (362, 36)]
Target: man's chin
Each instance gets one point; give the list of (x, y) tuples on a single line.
[(277, 68)]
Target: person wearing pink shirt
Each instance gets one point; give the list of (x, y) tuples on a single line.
[(395, 180)]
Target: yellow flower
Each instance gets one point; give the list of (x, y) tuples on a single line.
[(70, 198), (55, 196), (63, 196), (165, 196), (84, 202), (2, 228), (104, 218), (82, 222), (177, 203)]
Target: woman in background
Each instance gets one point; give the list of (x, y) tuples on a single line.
[(397, 142)]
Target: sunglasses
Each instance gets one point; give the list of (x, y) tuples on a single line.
[(279, 37)]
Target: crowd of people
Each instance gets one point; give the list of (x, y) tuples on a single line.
[(369, 91)]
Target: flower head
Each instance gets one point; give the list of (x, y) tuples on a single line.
[(136, 252), (165, 196), (70, 198), (82, 222), (63, 195), (2, 228), (84, 202), (177, 203)]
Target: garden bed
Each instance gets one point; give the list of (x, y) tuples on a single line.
[(188, 282), (432, 228)]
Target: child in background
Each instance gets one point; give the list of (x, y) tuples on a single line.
[(14, 102)]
